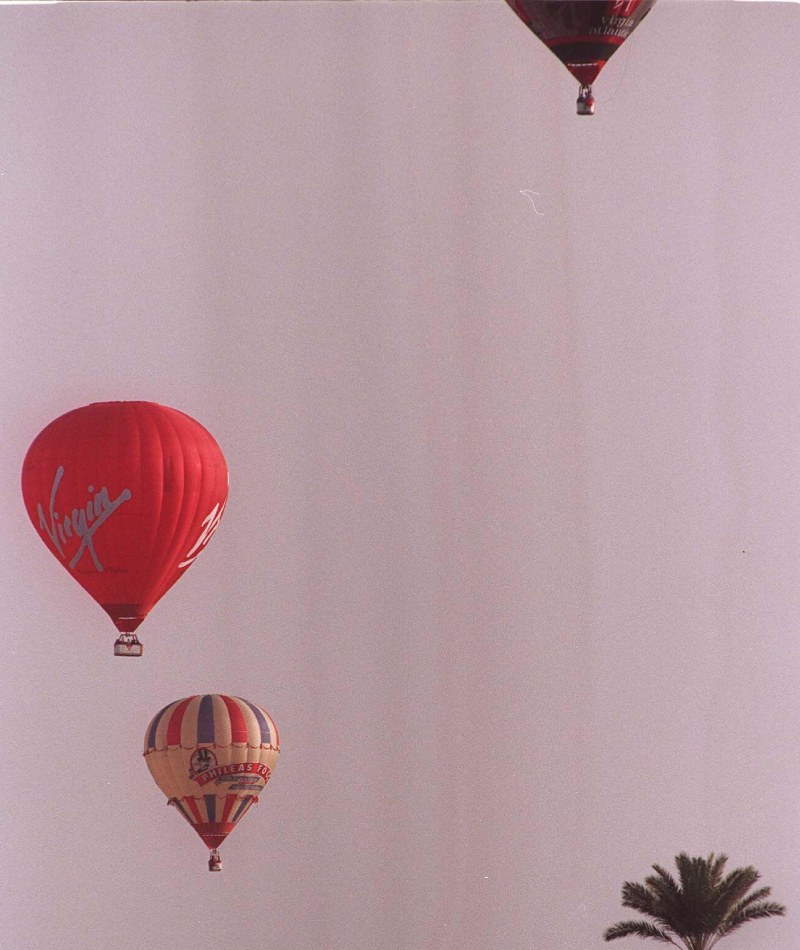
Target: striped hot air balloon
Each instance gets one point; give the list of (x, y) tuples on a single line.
[(126, 495), (211, 756)]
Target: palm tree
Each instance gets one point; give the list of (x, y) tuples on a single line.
[(699, 909)]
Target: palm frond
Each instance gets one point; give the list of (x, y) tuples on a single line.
[(670, 898), (684, 865), (738, 882), (753, 912), (715, 869), (731, 890), (663, 882), (639, 897), (758, 895), (638, 928)]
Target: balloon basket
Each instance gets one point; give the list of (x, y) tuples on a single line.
[(585, 101), (128, 645), (215, 861)]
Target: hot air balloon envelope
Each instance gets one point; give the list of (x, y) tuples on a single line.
[(583, 34), (211, 756), (125, 495)]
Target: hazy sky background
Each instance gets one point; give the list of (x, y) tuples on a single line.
[(511, 553)]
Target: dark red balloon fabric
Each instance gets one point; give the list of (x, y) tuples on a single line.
[(125, 495), (584, 34)]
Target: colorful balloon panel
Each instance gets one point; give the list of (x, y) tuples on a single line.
[(583, 34), (125, 495), (211, 756)]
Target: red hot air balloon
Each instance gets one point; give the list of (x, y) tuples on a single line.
[(126, 495), (584, 34)]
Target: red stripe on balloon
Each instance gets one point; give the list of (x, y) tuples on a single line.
[(214, 833), (277, 738), (194, 809), (230, 800), (175, 722), (238, 725)]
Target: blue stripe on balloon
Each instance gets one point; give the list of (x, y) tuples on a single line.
[(242, 805), (211, 806), (151, 736), (182, 810), (266, 737), (205, 721)]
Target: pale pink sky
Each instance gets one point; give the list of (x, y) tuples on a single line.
[(511, 553)]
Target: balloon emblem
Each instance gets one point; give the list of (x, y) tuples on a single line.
[(211, 756), (583, 34), (125, 495)]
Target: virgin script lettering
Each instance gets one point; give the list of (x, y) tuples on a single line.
[(83, 522), (209, 525)]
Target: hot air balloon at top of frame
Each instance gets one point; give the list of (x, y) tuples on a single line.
[(583, 34), (125, 495), (211, 756)]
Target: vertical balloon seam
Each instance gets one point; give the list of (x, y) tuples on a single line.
[(111, 458), (175, 724), (238, 724), (164, 764), (125, 592), (252, 749), (40, 485), (273, 728), (230, 800), (150, 742), (161, 726), (222, 723), (44, 492), (192, 457), (155, 763), (207, 484), (263, 720), (157, 486), (205, 721), (162, 523), (160, 416), (179, 807), (174, 762), (191, 460), (242, 721), (241, 808), (193, 807), (169, 760), (189, 724), (255, 732), (174, 488)]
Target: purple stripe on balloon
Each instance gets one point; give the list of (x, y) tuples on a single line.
[(242, 805), (263, 725), (182, 810), (211, 806), (151, 736), (205, 721)]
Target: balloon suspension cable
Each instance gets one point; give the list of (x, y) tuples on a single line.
[(585, 100), (127, 644), (214, 861)]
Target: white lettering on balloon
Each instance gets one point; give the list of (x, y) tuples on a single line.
[(82, 523), (209, 525)]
